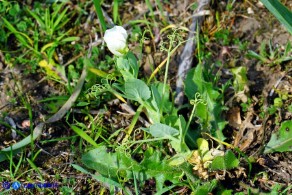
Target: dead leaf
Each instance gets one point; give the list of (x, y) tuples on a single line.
[(234, 118), (148, 66), (245, 124)]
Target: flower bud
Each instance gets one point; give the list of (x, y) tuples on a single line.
[(116, 40)]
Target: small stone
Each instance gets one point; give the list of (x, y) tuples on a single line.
[(25, 124), (250, 11), (260, 4)]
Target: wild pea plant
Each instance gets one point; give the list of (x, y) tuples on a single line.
[(167, 126)]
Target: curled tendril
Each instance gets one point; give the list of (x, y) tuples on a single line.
[(162, 46), (124, 149), (136, 132), (144, 33), (104, 81), (180, 39), (175, 39), (174, 42), (198, 100), (96, 90), (145, 39), (171, 37), (109, 79)]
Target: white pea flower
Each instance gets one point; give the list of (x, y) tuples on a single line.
[(116, 40)]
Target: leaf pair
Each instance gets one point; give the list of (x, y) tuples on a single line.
[(116, 166), (209, 113), (128, 66)]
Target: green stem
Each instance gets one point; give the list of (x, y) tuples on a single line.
[(169, 53), (148, 140), (167, 67), (198, 45), (152, 140), (133, 123), (190, 119)]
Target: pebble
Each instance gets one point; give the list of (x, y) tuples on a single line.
[(250, 11)]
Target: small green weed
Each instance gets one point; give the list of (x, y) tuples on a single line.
[(274, 56), (158, 146), (153, 99)]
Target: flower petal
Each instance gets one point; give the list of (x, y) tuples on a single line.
[(115, 39)]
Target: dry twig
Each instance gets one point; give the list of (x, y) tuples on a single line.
[(186, 57)]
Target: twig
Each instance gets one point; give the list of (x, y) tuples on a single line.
[(186, 57), (11, 122)]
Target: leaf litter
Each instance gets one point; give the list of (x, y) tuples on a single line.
[(251, 129)]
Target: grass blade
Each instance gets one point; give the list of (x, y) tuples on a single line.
[(35, 168), (282, 13), (60, 17), (56, 11), (23, 39), (160, 7), (83, 135), (37, 18), (97, 5), (115, 10), (98, 177), (36, 133)]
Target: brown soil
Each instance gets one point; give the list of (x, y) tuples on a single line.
[(16, 87)]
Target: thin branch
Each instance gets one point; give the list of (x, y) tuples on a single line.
[(186, 57)]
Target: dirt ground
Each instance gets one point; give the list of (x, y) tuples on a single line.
[(247, 21)]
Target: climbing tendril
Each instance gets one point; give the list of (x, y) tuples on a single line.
[(198, 100)]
